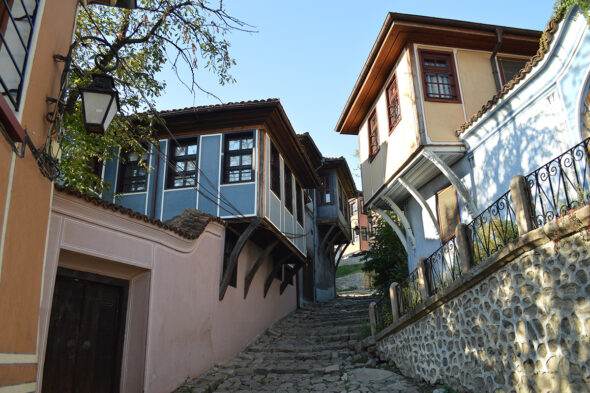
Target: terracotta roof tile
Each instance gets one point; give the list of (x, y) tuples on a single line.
[(546, 39), (189, 224), (227, 105)]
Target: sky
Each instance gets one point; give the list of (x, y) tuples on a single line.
[(309, 54)]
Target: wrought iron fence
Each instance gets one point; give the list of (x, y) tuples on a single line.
[(561, 184), (383, 317), (444, 265), (411, 295), (17, 21), (493, 228)]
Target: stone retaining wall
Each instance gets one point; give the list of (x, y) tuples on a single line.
[(519, 322)]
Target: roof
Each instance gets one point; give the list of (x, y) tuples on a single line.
[(189, 224), (268, 114), (344, 174), (400, 29), (311, 149), (546, 40)]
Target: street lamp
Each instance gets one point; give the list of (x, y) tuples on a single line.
[(100, 103)]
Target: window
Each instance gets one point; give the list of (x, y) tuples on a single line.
[(438, 76), (354, 208), (325, 194), (355, 235), (17, 23), (509, 68), (182, 171), (447, 207), (299, 196), (133, 173), (275, 171), (373, 136), (238, 157), (393, 104), (364, 234), (230, 242), (288, 190)]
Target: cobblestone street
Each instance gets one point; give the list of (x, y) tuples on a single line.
[(310, 351)]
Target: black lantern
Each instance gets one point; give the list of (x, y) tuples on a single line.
[(100, 103)]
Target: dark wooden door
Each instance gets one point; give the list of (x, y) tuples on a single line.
[(86, 329)]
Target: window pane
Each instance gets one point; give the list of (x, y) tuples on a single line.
[(178, 182), (179, 151), (247, 175), (247, 143), (234, 161), (247, 159), (191, 165), (192, 149), (234, 176), (190, 181), (234, 144)]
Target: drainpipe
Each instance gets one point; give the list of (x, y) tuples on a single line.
[(495, 70), (316, 241)]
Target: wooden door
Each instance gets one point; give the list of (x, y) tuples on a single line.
[(86, 329)]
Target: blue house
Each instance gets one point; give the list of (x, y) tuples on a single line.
[(239, 161)]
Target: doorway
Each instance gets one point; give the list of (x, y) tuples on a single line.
[(86, 333)]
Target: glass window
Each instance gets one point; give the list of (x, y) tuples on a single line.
[(394, 112), (238, 152), (364, 234), (182, 171), (325, 192), (299, 197), (275, 171), (509, 68), (438, 75), (373, 135), (288, 189), (133, 172)]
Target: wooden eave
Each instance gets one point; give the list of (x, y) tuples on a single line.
[(401, 29), (267, 114), (311, 149)]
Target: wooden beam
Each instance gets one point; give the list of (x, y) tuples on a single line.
[(274, 271), (323, 242), (235, 253), (340, 257), (259, 261), (292, 272)]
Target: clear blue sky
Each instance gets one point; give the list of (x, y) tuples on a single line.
[(310, 53)]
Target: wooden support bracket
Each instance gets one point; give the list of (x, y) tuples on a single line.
[(259, 261), (274, 272), (292, 273), (235, 253)]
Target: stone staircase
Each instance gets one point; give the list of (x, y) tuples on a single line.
[(312, 350)]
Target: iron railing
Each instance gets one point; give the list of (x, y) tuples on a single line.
[(493, 228), (444, 265), (17, 21), (561, 184), (411, 295)]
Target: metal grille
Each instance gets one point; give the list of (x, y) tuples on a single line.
[(410, 293), (17, 21), (493, 228), (561, 184), (444, 265)]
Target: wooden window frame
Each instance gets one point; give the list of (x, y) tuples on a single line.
[(275, 171), (172, 169), (503, 80), (288, 189), (393, 101), (324, 190), (452, 73), (125, 167), (228, 154), (364, 234), (373, 133), (299, 202), (440, 228)]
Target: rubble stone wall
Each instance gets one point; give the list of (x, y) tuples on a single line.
[(523, 328)]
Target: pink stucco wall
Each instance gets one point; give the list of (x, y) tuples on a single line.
[(173, 295)]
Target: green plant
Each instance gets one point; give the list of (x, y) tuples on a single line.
[(347, 270), (364, 331)]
